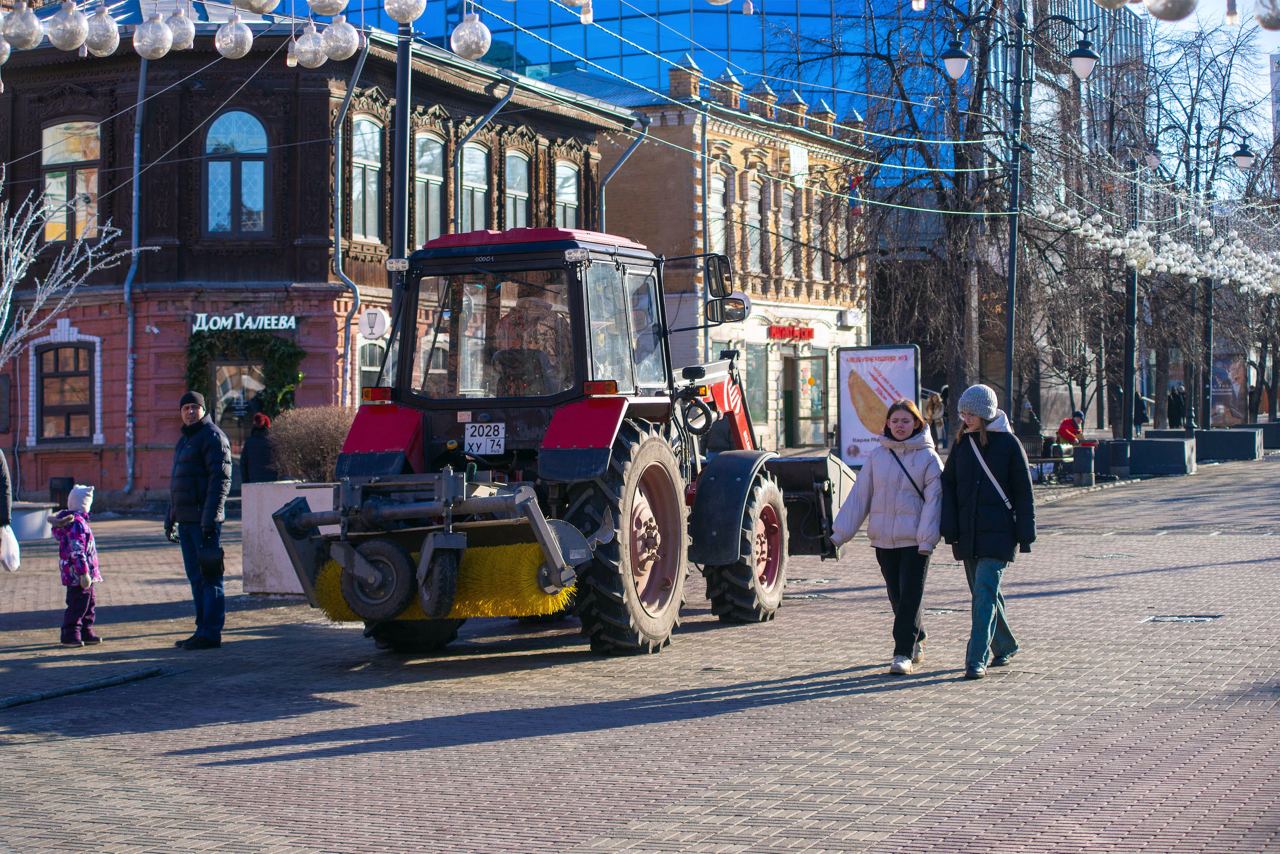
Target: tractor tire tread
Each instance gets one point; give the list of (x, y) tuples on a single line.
[(735, 596)]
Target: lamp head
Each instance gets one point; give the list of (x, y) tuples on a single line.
[(1244, 157), (1083, 59), (955, 59)]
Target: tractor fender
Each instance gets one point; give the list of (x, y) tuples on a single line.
[(579, 439), (724, 487), (384, 439)]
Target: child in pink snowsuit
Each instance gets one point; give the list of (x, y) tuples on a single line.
[(78, 559)]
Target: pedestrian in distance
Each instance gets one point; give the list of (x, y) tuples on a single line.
[(1071, 430), (198, 489), (10, 555), (898, 494), (1177, 406), (945, 394), (933, 410), (257, 461), (78, 563), (988, 514), (1140, 416)]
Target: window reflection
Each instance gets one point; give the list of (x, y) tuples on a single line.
[(69, 158), (235, 151)]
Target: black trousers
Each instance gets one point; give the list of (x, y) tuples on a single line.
[(904, 572)]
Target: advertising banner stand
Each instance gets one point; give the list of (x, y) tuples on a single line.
[(871, 378)]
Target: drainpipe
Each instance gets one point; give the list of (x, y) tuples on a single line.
[(462, 144), (706, 245), (643, 118), (337, 220), (130, 322)]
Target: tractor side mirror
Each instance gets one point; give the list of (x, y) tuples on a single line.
[(733, 308), (719, 275)]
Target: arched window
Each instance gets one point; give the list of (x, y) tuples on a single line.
[(819, 239), (517, 191), (755, 218), (371, 356), (366, 181), (428, 188), (717, 205), (69, 160), (475, 188), (566, 195), (235, 155), (65, 392), (787, 245)]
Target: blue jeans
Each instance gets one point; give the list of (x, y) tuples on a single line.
[(990, 634), (211, 605)]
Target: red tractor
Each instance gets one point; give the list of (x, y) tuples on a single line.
[(530, 451)]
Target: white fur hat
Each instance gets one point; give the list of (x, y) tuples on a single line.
[(80, 499)]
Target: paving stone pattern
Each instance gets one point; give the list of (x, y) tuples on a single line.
[(1108, 732)]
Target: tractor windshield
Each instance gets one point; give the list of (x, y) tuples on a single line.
[(486, 334)]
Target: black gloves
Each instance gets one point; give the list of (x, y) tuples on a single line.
[(1024, 548), (170, 531)]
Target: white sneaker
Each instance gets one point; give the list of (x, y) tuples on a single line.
[(901, 666), (917, 654)]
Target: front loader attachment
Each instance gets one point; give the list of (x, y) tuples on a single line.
[(813, 488)]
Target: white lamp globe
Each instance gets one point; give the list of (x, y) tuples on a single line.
[(153, 38), (471, 38), (340, 40), (310, 48), (67, 29), (183, 29), (405, 11), (22, 29), (104, 35), (328, 8), (233, 39)]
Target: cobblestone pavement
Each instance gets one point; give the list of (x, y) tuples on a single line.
[(1108, 732)]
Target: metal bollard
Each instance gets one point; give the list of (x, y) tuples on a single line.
[(1084, 470)]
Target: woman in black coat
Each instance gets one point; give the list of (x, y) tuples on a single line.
[(257, 463), (984, 528)]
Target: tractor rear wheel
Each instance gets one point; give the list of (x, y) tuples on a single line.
[(394, 590), (414, 636), (630, 593), (750, 591)]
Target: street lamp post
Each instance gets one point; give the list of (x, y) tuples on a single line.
[(1128, 400), (955, 60)]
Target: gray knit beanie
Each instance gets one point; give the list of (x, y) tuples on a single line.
[(979, 400)]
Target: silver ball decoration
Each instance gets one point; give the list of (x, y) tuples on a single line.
[(1268, 14), (67, 29), (183, 29), (104, 35), (310, 48), (1170, 10), (471, 38), (153, 39), (328, 8), (22, 29), (405, 11), (233, 39), (340, 40), (1112, 5)]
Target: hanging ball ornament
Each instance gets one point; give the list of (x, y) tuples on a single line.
[(257, 7), (1268, 13), (67, 29), (1111, 5), (310, 48), (340, 40), (153, 39), (183, 29), (22, 29), (405, 11), (329, 8), (718, 2), (4, 57), (104, 36), (234, 39), (471, 38), (1170, 10)]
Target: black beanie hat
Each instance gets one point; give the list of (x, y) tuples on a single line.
[(192, 397)]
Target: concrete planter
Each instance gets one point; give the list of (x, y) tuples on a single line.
[(1270, 433), (266, 565), (31, 521), (1240, 443), (1175, 456)]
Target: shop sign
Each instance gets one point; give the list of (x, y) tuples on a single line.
[(790, 333), (241, 322), (872, 378)]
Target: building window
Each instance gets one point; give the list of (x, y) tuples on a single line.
[(566, 195), (717, 204), (787, 233), (755, 216), (428, 188), (475, 188), (69, 160), (235, 152), (366, 181), (371, 356), (517, 192), (65, 392)]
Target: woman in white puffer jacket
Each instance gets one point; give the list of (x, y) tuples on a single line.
[(898, 494)]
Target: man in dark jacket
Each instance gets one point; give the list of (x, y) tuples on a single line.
[(257, 465), (197, 497)]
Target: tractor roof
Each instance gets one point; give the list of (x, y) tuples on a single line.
[(530, 239)]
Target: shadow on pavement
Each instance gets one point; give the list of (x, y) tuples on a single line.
[(112, 615)]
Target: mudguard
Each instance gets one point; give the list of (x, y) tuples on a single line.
[(385, 439), (724, 487), (580, 438)]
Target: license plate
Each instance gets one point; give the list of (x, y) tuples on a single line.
[(488, 438)]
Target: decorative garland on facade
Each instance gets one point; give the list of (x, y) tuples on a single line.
[(280, 359)]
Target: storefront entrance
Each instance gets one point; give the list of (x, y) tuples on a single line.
[(236, 390), (804, 400)]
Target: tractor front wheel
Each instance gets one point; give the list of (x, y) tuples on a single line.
[(630, 593), (414, 636), (750, 591)]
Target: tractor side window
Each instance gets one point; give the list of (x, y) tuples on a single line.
[(610, 335), (642, 292)]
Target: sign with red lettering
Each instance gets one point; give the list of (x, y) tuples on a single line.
[(790, 333)]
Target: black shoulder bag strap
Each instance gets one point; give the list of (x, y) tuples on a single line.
[(910, 480)]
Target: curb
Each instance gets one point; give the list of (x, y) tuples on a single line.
[(1072, 491)]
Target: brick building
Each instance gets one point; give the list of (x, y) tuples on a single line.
[(776, 199), (237, 294)]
